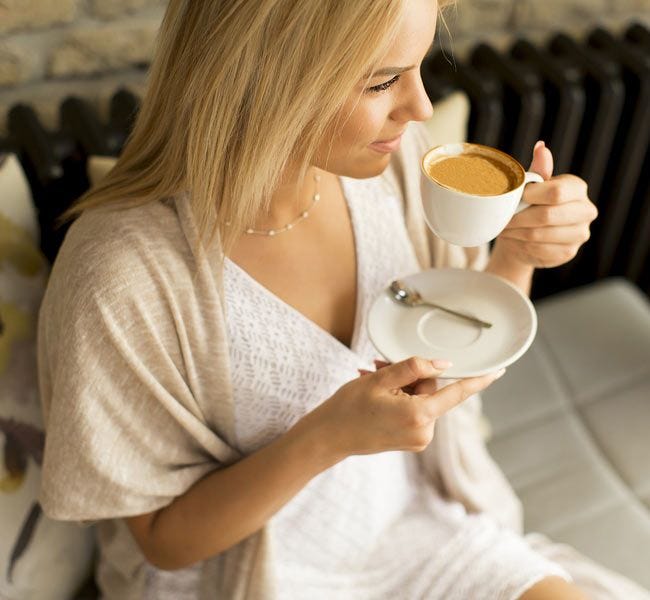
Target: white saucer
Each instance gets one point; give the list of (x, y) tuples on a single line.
[(399, 332)]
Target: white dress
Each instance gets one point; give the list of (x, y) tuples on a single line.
[(371, 527)]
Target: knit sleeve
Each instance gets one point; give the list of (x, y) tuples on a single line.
[(119, 375)]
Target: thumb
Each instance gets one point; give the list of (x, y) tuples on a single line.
[(406, 372), (542, 160)]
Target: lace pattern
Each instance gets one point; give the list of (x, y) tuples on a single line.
[(370, 527)]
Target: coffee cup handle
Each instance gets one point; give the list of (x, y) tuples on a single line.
[(530, 177)]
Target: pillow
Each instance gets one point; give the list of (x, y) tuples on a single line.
[(17, 205), (39, 558), (448, 124), (98, 166)]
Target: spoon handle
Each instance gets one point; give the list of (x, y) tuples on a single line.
[(458, 314)]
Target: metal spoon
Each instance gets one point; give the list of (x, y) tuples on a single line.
[(404, 295)]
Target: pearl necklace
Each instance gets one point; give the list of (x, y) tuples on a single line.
[(303, 215)]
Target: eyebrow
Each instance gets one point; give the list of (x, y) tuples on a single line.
[(391, 71), (398, 70)]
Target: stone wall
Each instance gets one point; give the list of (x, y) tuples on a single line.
[(500, 21), (52, 48)]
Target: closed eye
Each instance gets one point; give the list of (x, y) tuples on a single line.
[(383, 86)]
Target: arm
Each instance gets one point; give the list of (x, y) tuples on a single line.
[(230, 504), (517, 273), (367, 415)]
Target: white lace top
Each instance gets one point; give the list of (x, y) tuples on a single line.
[(370, 527)]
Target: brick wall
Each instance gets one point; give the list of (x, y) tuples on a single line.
[(499, 21), (52, 48)]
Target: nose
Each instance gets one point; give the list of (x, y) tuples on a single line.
[(414, 104)]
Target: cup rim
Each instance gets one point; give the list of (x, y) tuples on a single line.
[(474, 144)]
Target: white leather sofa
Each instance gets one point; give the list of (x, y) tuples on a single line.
[(570, 424)]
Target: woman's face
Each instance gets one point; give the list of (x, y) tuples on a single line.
[(380, 111)]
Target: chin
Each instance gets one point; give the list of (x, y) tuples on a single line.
[(366, 168)]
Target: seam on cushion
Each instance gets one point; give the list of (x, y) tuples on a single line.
[(633, 381), (589, 437)]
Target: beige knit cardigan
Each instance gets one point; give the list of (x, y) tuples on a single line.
[(136, 392)]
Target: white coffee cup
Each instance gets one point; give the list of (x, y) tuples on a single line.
[(471, 219)]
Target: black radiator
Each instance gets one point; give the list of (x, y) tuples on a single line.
[(588, 100), (55, 161)]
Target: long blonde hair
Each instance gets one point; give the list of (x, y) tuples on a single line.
[(236, 89)]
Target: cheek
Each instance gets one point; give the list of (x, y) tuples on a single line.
[(346, 146), (365, 124)]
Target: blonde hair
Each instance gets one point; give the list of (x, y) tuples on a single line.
[(236, 89)]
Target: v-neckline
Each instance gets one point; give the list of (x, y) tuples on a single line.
[(352, 349)]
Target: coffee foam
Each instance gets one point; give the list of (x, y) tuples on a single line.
[(501, 172)]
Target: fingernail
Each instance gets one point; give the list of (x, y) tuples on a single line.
[(440, 363), (539, 144)]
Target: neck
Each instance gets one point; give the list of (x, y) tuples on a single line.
[(289, 200)]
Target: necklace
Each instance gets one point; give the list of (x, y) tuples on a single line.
[(303, 215)]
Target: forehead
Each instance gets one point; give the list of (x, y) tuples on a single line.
[(416, 32)]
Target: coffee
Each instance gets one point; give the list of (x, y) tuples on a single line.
[(460, 175), (474, 173)]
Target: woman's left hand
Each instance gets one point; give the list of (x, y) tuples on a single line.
[(550, 232), (422, 386)]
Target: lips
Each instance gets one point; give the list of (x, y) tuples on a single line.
[(389, 145)]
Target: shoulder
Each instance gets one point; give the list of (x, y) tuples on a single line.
[(123, 234), (116, 256), (109, 243)]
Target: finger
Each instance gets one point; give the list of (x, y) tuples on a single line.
[(558, 234), (543, 256), (363, 372), (457, 392), (425, 387), (406, 372), (557, 190), (569, 213), (542, 160)]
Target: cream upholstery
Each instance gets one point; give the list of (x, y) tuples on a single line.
[(571, 420)]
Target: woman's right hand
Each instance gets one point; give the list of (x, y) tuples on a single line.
[(374, 413)]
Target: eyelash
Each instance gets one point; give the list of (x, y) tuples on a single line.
[(384, 86)]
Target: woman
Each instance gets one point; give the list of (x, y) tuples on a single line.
[(202, 334)]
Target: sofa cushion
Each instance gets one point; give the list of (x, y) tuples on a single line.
[(620, 425), (39, 558), (97, 167), (569, 424), (448, 122)]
